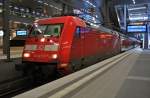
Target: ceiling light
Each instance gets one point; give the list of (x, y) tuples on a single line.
[(46, 3), (87, 1), (1, 3), (138, 18), (133, 1), (137, 8)]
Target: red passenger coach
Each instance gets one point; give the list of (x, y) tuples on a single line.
[(128, 42), (67, 44)]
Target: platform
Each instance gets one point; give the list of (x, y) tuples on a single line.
[(129, 78), (126, 78)]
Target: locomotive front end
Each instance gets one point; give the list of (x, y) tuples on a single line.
[(42, 45)]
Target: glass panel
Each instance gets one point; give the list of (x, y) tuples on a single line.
[(47, 30), (53, 30)]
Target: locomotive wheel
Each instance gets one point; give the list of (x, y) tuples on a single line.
[(83, 63), (68, 70), (49, 71), (44, 73), (27, 70), (40, 73), (74, 67), (38, 76)]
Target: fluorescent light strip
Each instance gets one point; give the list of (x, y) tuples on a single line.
[(89, 3), (137, 8), (138, 18)]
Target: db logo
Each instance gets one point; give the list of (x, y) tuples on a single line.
[(40, 47)]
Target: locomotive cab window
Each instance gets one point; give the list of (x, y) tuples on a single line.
[(36, 30), (54, 30), (47, 30)]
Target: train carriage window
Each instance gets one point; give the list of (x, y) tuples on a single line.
[(83, 30), (78, 32), (87, 30)]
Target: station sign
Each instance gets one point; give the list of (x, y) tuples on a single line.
[(137, 28), (21, 32)]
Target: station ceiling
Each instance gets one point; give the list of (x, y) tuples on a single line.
[(135, 8), (30, 3), (128, 2)]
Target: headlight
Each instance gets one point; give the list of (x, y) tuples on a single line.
[(54, 56), (42, 40), (26, 55)]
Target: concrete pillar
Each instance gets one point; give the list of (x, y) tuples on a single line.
[(6, 37), (63, 8), (148, 31), (148, 27), (146, 37), (69, 9), (66, 7), (105, 11), (146, 40)]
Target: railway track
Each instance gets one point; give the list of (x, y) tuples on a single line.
[(19, 85), (16, 85)]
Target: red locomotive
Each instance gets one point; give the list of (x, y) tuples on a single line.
[(67, 43)]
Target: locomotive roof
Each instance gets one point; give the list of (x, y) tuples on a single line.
[(61, 19), (77, 21), (101, 28)]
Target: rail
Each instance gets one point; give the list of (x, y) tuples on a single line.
[(14, 85)]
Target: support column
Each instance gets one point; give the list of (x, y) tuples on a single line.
[(146, 41), (69, 9), (148, 27), (148, 31), (6, 37), (125, 17), (66, 9), (63, 8), (105, 12)]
